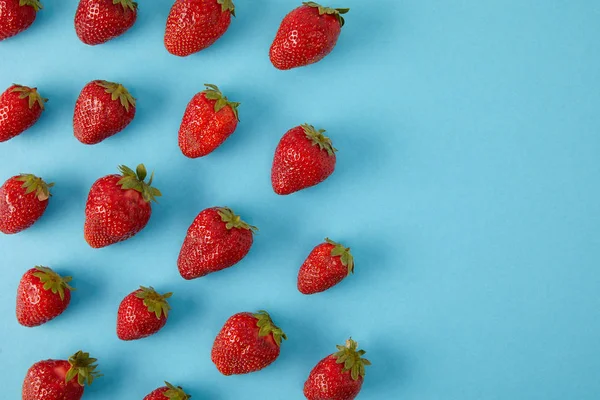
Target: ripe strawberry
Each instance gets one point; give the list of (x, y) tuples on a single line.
[(303, 158), (42, 295), (142, 313), (306, 35), (247, 343), (55, 379), (326, 266), (338, 376), (168, 392), (23, 200), (16, 16), (20, 108), (118, 206), (194, 25), (209, 119), (217, 239), (102, 110), (98, 21)]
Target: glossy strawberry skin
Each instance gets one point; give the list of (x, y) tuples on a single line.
[(97, 116), (321, 271), (194, 25), (15, 115), (18, 211), (210, 247), (45, 380), (112, 213), (239, 350), (202, 129), (98, 21), (157, 394), (35, 305), (299, 164), (15, 18), (304, 37), (327, 382), (134, 321)]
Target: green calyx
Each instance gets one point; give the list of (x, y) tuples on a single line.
[(352, 359), (266, 325), (135, 180), (53, 281), (37, 6), (344, 254), (175, 393), (234, 221), (318, 139), (118, 92), (32, 183), (212, 92), (336, 12), (31, 94), (227, 5), (132, 5), (82, 367), (156, 302)]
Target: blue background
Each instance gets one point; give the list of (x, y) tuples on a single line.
[(466, 185)]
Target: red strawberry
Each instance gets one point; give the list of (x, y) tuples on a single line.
[(247, 343), (142, 313), (16, 16), (23, 200), (55, 379), (98, 21), (168, 392), (303, 158), (326, 266), (217, 239), (20, 108), (306, 35), (338, 376), (118, 206), (209, 119), (194, 25), (42, 295), (102, 110)]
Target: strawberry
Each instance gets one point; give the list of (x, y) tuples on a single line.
[(118, 206), (194, 25), (168, 392), (23, 200), (303, 158), (16, 16), (209, 119), (42, 295), (217, 239), (246, 343), (142, 313), (98, 21), (55, 379), (306, 35), (20, 108), (326, 266), (338, 376), (103, 109)]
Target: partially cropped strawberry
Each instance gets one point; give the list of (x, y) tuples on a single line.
[(60, 379), (194, 25), (304, 157), (217, 239), (20, 108), (209, 119), (98, 21), (42, 295), (168, 392), (16, 16), (23, 200), (247, 343), (118, 206), (102, 110), (326, 266), (142, 313), (306, 35)]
